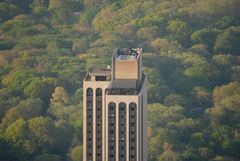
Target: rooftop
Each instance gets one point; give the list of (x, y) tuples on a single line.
[(100, 72), (127, 54), (124, 91), (98, 75)]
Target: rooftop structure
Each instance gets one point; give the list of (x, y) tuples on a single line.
[(127, 54)]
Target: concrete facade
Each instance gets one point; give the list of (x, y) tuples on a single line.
[(114, 110)]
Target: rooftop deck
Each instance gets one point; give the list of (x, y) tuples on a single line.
[(126, 54), (98, 75)]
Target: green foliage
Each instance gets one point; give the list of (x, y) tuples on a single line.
[(59, 47), (18, 79), (161, 44), (190, 54), (49, 157), (147, 33), (102, 22), (41, 88), (159, 115), (213, 8), (24, 4), (4, 11), (40, 3), (80, 45), (175, 99), (25, 109), (64, 10), (226, 103), (179, 30), (44, 133), (60, 97), (87, 17), (169, 156), (17, 134), (30, 42), (76, 153), (205, 36), (228, 42), (20, 21)]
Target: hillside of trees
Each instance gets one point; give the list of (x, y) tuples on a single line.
[(191, 53)]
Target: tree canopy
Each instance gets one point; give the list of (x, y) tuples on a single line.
[(191, 52)]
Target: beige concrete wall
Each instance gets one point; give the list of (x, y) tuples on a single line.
[(126, 99), (141, 119), (143, 94), (94, 85), (124, 83), (125, 69)]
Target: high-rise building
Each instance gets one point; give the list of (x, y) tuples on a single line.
[(114, 110)]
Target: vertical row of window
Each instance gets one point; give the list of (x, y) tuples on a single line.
[(122, 132), (89, 128), (132, 131), (99, 124), (111, 131)]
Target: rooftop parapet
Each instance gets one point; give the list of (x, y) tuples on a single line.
[(127, 54), (98, 74)]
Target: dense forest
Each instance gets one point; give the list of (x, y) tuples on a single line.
[(191, 53)]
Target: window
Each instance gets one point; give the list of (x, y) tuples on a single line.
[(101, 78), (122, 131), (89, 122), (132, 129), (111, 131), (98, 124)]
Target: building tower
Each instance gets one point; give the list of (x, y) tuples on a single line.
[(114, 110)]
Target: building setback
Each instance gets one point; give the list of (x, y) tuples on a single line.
[(114, 110)]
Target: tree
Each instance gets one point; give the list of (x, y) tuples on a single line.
[(127, 30), (198, 75), (80, 45), (103, 20), (201, 49), (3, 62), (225, 22), (18, 79), (62, 10), (41, 88), (180, 30), (48, 157), (226, 104), (201, 97), (8, 151), (147, 33), (87, 16), (175, 99), (228, 42), (57, 48), (205, 36), (160, 115), (157, 90), (4, 11), (42, 133), (25, 109), (40, 3), (222, 69), (162, 44), (17, 134), (76, 153), (59, 97), (236, 73), (169, 156)]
